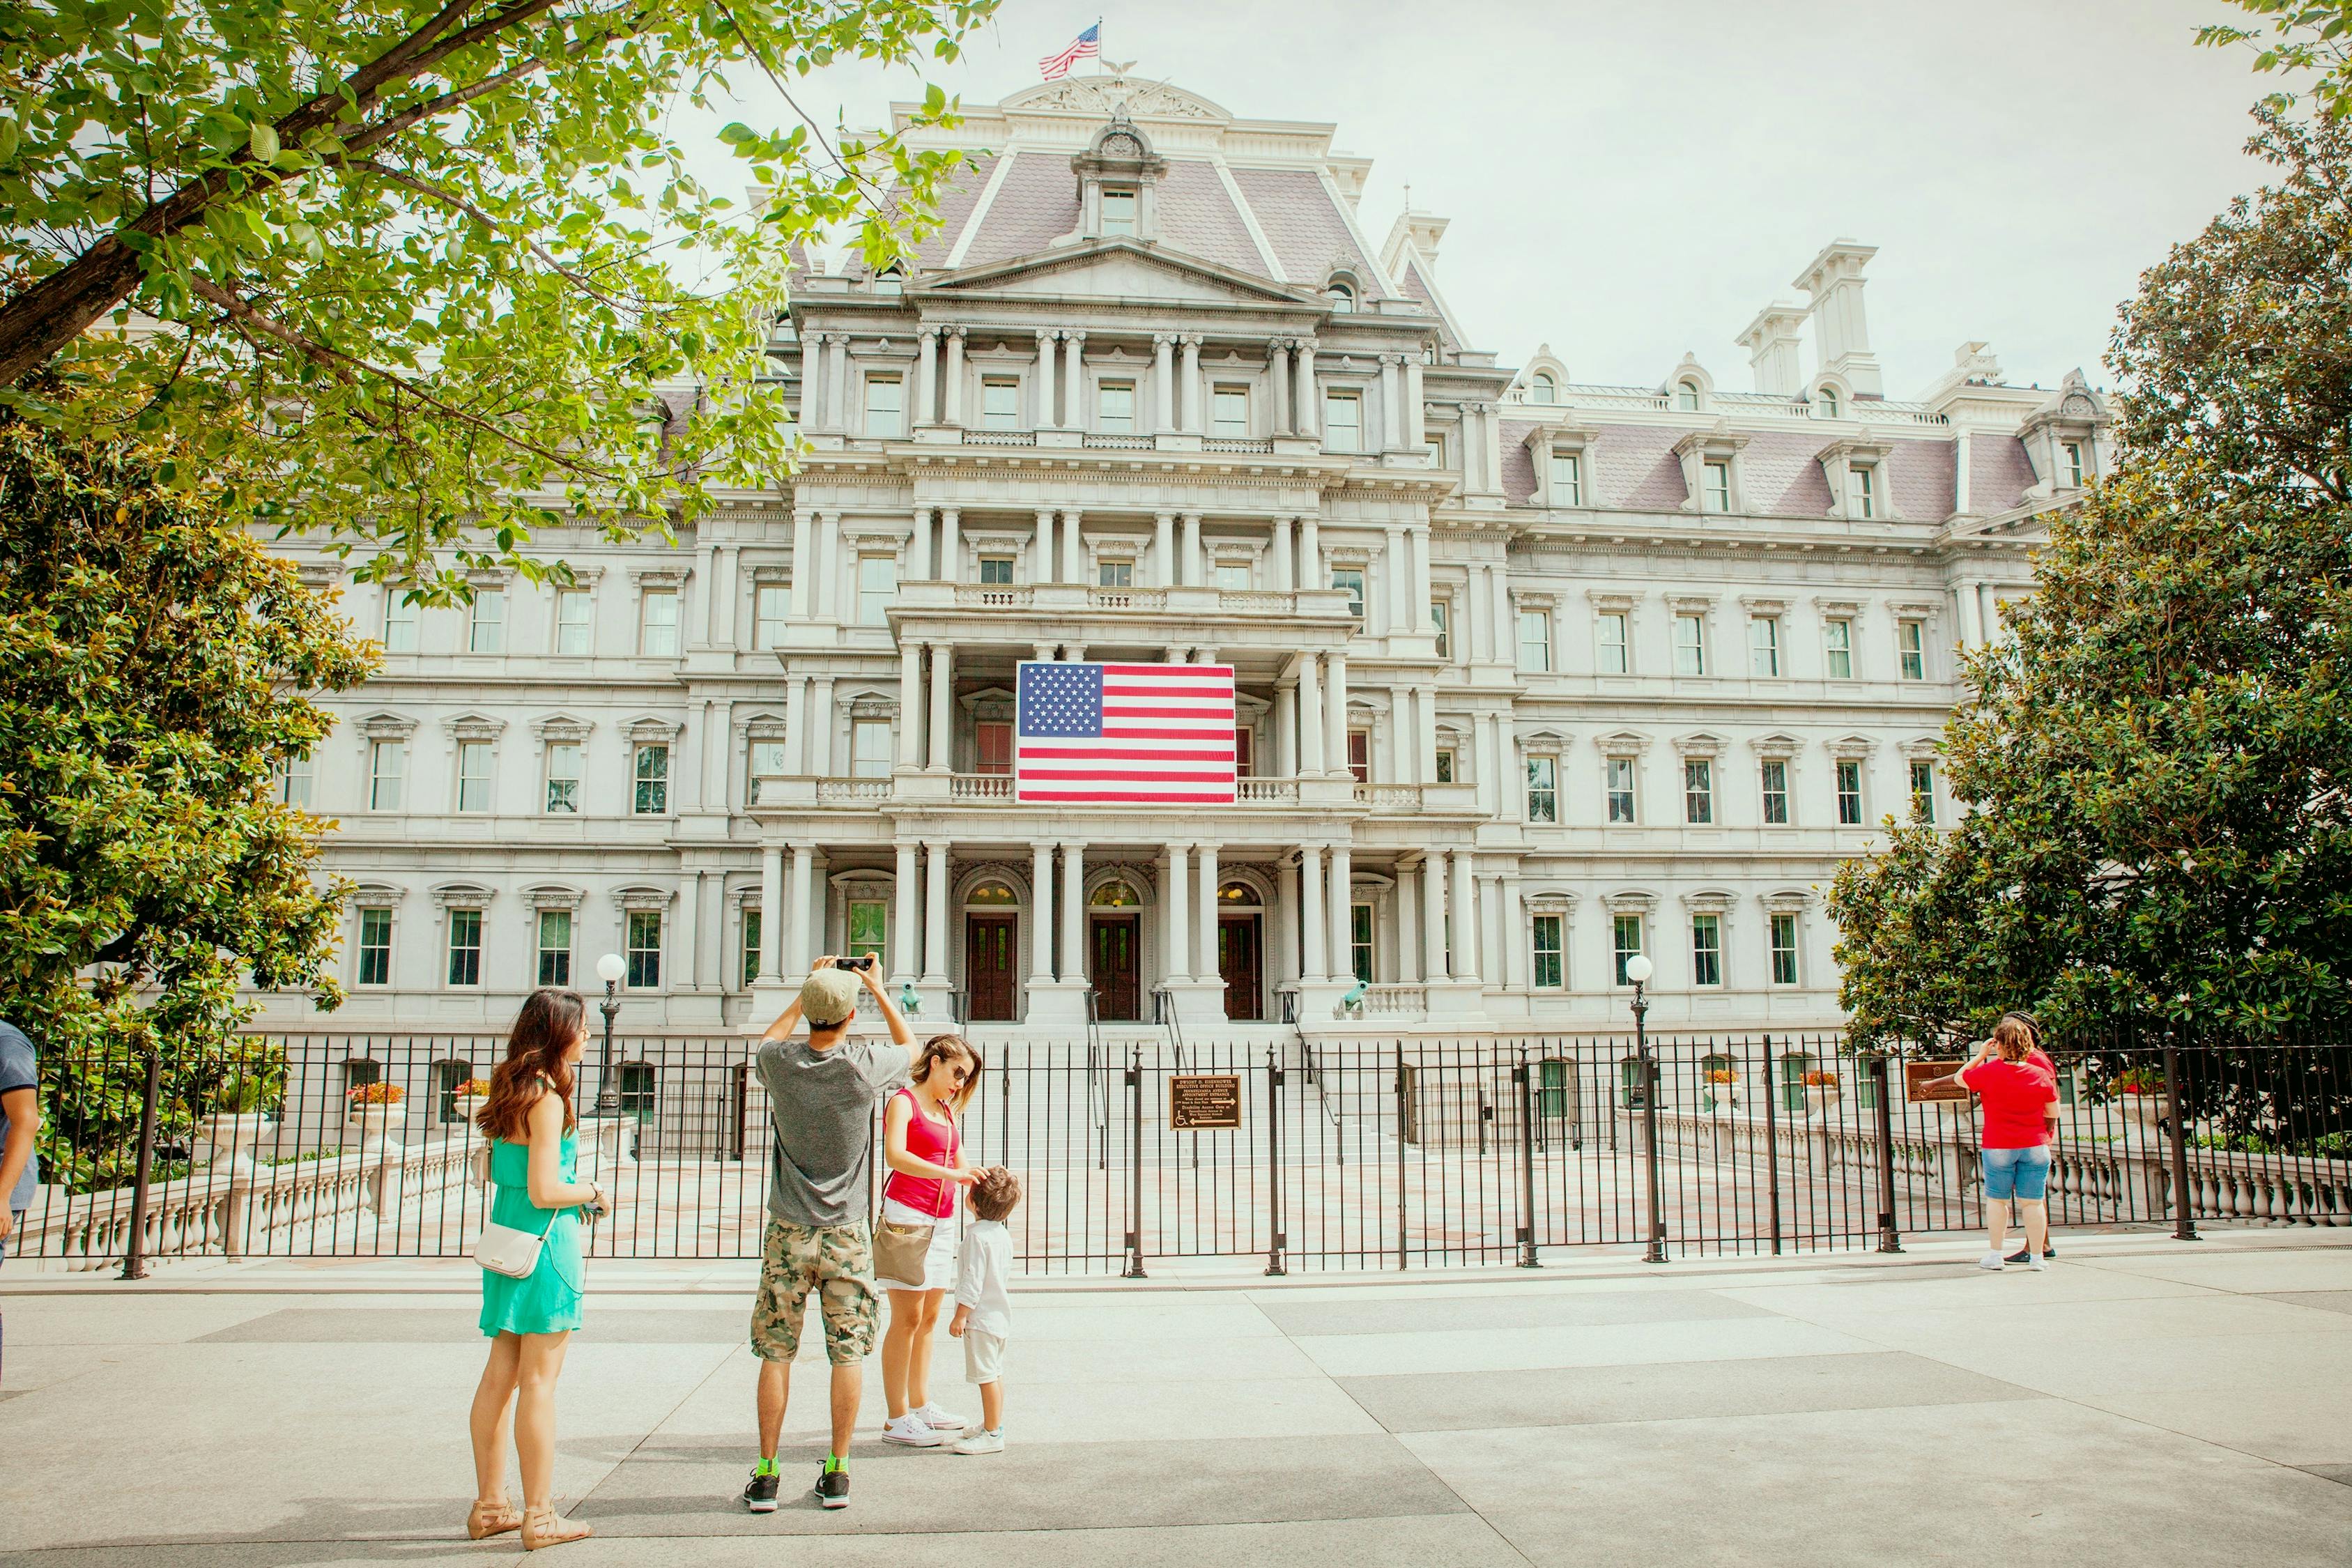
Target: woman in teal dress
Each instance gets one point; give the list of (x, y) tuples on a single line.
[(529, 1121)]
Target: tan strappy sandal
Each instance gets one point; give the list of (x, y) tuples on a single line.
[(545, 1527), (488, 1519)]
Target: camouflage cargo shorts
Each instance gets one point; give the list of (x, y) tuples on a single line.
[(836, 1262)]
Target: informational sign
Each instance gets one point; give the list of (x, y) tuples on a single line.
[(1932, 1080), (1205, 1100)]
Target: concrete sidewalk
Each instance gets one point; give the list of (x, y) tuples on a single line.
[(2145, 1402)]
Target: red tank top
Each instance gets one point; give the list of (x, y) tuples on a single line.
[(938, 1141)]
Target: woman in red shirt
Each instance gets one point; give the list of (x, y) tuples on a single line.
[(2016, 1096), (922, 1143)]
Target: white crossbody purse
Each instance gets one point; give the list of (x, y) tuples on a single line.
[(503, 1249)]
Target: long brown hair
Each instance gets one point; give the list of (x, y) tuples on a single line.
[(938, 1048), (551, 1020)]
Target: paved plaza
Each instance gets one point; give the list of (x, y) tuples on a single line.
[(2145, 1402)]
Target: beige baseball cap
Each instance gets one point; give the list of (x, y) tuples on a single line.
[(828, 996)]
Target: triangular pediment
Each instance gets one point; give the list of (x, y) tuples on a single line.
[(1118, 268)]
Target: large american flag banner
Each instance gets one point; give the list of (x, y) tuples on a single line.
[(1083, 47), (1124, 732)]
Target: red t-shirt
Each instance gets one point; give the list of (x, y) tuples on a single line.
[(940, 1142), (2015, 1097)]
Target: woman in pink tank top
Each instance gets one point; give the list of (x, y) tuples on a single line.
[(922, 1144)]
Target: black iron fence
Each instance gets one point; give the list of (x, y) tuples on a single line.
[(1350, 1154)]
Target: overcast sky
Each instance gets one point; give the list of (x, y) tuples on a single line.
[(1628, 180)]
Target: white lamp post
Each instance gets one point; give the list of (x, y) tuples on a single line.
[(609, 969), (1638, 969)]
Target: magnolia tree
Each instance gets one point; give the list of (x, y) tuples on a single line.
[(428, 276)]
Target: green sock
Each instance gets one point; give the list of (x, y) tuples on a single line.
[(764, 1468), (835, 1462)]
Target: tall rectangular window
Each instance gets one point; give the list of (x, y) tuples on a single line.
[(1621, 789), (465, 947), (387, 773), (1115, 408), (1626, 936), (652, 798), (1715, 487), (1543, 789), (1232, 575), (1911, 644), (768, 766), (1229, 412), (869, 930), (1567, 479), (1690, 645), (1849, 793), (1446, 765), (1837, 647), (2074, 453), (999, 403), (750, 945), (886, 407), (1784, 950), (1114, 573), (1352, 579), (473, 776), (563, 778), (1359, 755), (644, 945), (399, 621), (992, 740), (1707, 950), (1764, 645), (1776, 792), (294, 777), (657, 634), (996, 571), (1440, 618), (1343, 422), (1244, 752), (1698, 791), (555, 947), (573, 625), (1616, 657), (1534, 640), (485, 629), (1861, 491), (1923, 792), (375, 947), (1550, 970), (1118, 213), (877, 588), (869, 749), (772, 607), (1360, 941)]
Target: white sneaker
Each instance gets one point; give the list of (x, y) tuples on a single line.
[(1992, 1260), (981, 1442), (910, 1430), (937, 1419), (2038, 1262)]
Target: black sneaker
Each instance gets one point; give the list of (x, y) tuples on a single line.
[(833, 1488), (2025, 1254), (759, 1492)]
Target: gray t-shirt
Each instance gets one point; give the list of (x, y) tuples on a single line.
[(19, 1071), (822, 1104)]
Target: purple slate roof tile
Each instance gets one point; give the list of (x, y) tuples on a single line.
[(1999, 473), (1782, 474), (1416, 287), (1195, 215), (1919, 480), (1037, 202), (1635, 466), (1297, 214), (1519, 463), (962, 194)]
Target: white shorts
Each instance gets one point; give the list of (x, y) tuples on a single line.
[(984, 1355), (939, 1263)]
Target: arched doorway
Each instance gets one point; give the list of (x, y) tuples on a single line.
[(1115, 951), (1241, 953), (992, 953)]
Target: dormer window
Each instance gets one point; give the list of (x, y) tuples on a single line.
[(1861, 491), (2072, 452), (1686, 397), (1118, 213), (1714, 493), (1828, 402), (1567, 479), (1342, 298), (1543, 388)]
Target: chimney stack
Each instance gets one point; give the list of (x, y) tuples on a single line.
[(1841, 330), (1773, 348)]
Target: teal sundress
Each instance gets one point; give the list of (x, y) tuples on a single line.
[(548, 1302)]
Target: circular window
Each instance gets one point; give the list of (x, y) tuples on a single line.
[(990, 893), (1115, 896)]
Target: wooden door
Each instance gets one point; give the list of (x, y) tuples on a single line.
[(992, 958), (1237, 961), (1117, 970)]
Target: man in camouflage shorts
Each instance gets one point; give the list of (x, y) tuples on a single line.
[(821, 1096)]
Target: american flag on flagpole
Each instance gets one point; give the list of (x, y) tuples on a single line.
[(1124, 732), (1086, 45)]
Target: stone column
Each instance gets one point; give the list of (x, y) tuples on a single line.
[(1307, 413), (1048, 408), (942, 759), (950, 547), (1342, 906), (1278, 371), (836, 381), (1389, 612), (952, 411), (1971, 616), (919, 555), (1512, 766), (1403, 731), (771, 912), (1415, 413), (821, 727), (1188, 390), (1427, 715), (1193, 573), (1408, 915), (935, 914), (1310, 717), (903, 965), (927, 378), (1206, 943), (1285, 731), (1311, 913), (1465, 917), (910, 687), (1164, 549), (1418, 590), (1177, 916), (1432, 915), (1073, 912), (1482, 749), (803, 564), (1041, 913), (1335, 696), (796, 727), (1074, 561), (1282, 548), (798, 948), (811, 380), (1506, 625), (1045, 548), (1392, 404), (1163, 382), (1075, 378), (827, 562), (1310, 554), (1511, 931), (1490, 457), (1282, 929)]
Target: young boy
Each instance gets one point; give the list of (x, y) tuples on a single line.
[(983, 1314)]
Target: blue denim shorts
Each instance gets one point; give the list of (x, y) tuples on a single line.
[(2016, 1173)]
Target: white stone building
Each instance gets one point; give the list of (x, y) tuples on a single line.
[(1533, 673)]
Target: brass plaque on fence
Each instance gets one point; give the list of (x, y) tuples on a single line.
[(1932, 1080), (1200, 1101)]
